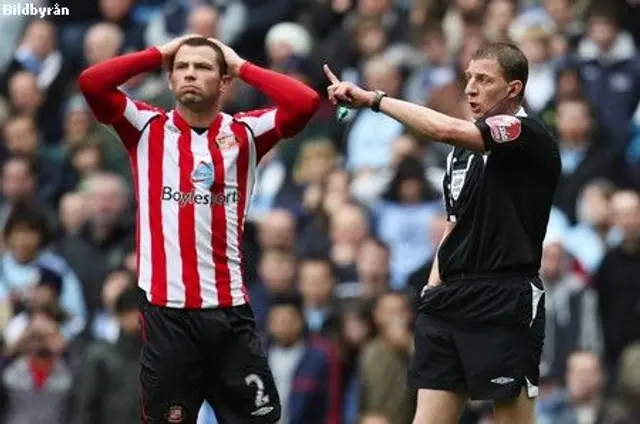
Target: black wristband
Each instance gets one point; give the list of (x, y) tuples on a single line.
[(375, 105)]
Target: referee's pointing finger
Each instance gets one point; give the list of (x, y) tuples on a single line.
[(330, 75)]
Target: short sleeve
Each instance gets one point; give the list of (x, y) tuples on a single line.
[(507, 133)]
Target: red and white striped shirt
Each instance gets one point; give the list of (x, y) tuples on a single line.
[(193, 190)]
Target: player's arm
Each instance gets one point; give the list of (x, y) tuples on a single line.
[(99, 83), (295, 103)]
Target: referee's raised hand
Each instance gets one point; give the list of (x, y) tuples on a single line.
[(347, 93)]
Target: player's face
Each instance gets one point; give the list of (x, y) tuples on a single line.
[(196, 78), (486, 89)]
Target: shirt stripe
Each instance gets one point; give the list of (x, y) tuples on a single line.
[(158, 262)]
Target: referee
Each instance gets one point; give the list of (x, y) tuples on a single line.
[(480, 329)]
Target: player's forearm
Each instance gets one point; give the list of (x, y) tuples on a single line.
[(432, 124), (99, 83), (296, 102)]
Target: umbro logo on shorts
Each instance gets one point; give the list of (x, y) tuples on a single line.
[(503, 380)]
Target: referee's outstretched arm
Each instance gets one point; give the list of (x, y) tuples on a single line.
[(434, 125)]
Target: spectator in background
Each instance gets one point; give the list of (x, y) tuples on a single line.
[(38, 54), (105, 326), (277, 230), (587, 240), (372, 268), (44, 295), (73, 213), (356, 329), (285, 40), (385, 362), (23, 138), (498, 18), (583, 158), (18, 184), (39, 383), (610, 70), (204, 20), (371, 134), (436, 69), (582, 402), (535, 44), (569, 84), (119, 12), (87, 159), (102, 41), (106, 237), (304, 369), (27, 239), (618, 282), (348, 228), (276, 275), (174, 18), (624, 407), (402, 218), (108, 389), (565, 14), (572, 320), (316, 283)]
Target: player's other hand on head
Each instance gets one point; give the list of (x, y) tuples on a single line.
[(168, 50), (347, 93), (234, 61)]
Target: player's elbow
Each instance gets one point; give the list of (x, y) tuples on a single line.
[(85, 82)]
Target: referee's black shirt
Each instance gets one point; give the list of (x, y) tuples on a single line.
[(500, 201)]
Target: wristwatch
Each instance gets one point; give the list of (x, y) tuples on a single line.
[(375, 105)]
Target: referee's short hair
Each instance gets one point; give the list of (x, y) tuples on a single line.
[(514, 64)]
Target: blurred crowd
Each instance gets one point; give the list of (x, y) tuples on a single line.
[(345, 218)]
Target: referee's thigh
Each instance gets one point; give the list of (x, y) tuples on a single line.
[(170, 368)]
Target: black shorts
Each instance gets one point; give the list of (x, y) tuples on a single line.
[(481, 338), (189, 356)]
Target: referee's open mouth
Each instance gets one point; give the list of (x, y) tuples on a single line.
[(475, 108)]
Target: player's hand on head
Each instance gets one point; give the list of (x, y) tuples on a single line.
[(347, 93), (234, 61), (168, 50)]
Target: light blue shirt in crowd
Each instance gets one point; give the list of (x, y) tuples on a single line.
[(406, 229), (370, 140), (15, 276)]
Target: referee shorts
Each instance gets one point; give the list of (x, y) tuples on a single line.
[(480, 338), (189, 356)]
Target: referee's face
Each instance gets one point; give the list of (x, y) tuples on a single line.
[(196, 78), (486, 88)]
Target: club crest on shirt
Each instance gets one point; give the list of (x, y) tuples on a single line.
[(226, 141), (504, 128), (202, 175)]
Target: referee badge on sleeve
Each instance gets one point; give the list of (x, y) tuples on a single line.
[(504, 128)]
